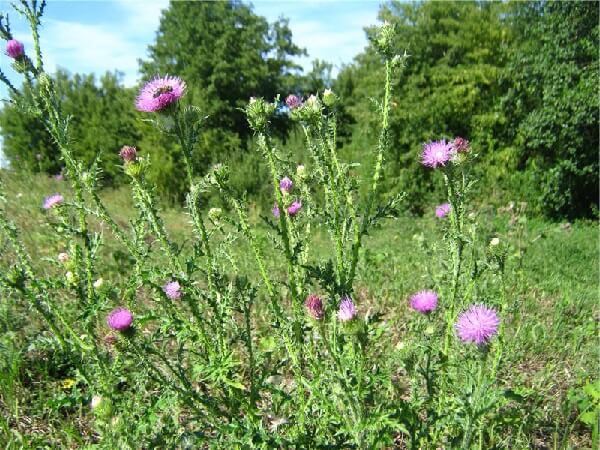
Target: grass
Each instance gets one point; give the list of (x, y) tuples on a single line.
[(552, 330)]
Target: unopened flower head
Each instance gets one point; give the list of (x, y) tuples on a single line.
[(314, 306), (436, 154), (294, 208), (173, 290), (120, 319), (275, 210), (443, 210), (285, 185), (478, 324), (460, 145), (128, 153), (160, 93), (346, 311), (15, 49), (292, 101), (424, 301), (52, 200), (329, 98)]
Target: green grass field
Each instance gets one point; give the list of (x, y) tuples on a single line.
[(552, 286)]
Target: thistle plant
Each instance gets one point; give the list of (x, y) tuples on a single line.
[(256, 349)]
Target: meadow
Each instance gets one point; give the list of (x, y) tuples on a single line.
[(328, 316)]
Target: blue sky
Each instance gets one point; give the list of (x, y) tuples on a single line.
[(96, 36)]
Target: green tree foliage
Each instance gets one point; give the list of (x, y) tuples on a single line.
[(226, 54), (552, 104), (101, 120)]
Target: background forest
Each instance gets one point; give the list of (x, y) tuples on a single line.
[(518, 79)]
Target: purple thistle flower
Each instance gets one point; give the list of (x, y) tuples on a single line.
[(159, 93), (15, 49), (173, 290), (346, 311), (293, 101), (53, 200), (436, 153), (443, 210), (460, 145), (294, 208), (119, 319), (478, 324), (128, 153), (314, 306), (285, 185), (424, 301), (275, 210)]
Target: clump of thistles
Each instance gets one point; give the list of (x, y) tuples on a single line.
[(436, 154), (443, 210), (160, 93), (120, 319), (314, 306), (53, 200), (128, 153), (292, 101), (285, 185), (346, 311), (173, 290), (478, 324), (424, 301), (15, 49)]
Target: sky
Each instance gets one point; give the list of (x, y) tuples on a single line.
[(98, 36)]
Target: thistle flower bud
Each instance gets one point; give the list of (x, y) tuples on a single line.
[(215, 214), (329, 98), (70, 277), (259, 112), (314, 306), (285, 185), (63, 257), (301, 171), (15, 49), (384, 40), (128, 153), (461, 145)]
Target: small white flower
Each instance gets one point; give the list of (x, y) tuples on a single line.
[(70, 276), (98, 283), (495, 242), (96, 400), (63, 257)]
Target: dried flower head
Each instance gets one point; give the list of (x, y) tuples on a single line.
[(285, 185), (160, 93), (314, 306), (436, 153), (424, 301), (173, 290), (120, 319), (460, 145), (443, 210), (128, 153), (52, 200), (346, 311), (478, 324), (294, 208), (15, 49)]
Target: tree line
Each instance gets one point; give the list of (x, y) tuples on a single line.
[(518, 79)]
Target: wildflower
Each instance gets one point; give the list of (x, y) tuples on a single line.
[(285, 185), (15, 49), (96, 400), (424, 301), (346, 311), (70, 276), (173, 290), (436, 153), (329, 98), (63, 257), (275, 210), (292, 101), (160, 93), (300, 171), (119, 319), (215, 214), (460, 145), (59, 177), (294, 208), (98, 283), (494, 242), (478, 324), (314, 306), (443, 210), (52, 200), (128, 153)]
